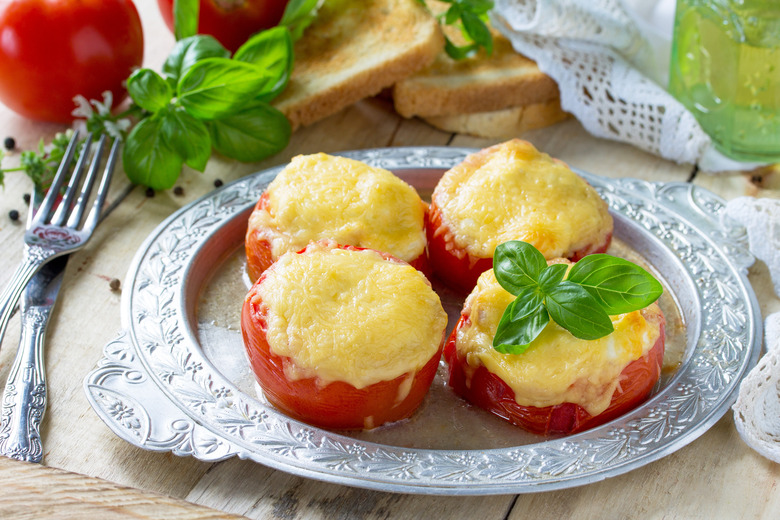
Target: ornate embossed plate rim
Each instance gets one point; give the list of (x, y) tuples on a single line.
[(217, 421)]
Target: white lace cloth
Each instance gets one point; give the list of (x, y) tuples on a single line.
[(757, 410), (610, 59)]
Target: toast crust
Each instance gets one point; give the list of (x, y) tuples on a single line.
[(354, 50), (502, 124)]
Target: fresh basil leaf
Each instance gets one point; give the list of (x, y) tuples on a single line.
[(217, 87), (298, 15), (479, 7), (551, 276), (149, 90), (272, 51), (459, 52), (188, 136), (188, 52), (185, 18), (452, 15), (147, 157), (515, 334), (618, 285), (477, 30), (253, 134), (573, 308), (517, 265)]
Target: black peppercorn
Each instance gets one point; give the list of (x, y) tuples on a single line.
[(9, 143), (218, 183), (13, 215), (178, 191), (26, 198), (149, 192), (114, 284)]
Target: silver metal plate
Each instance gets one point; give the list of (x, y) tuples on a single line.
[(156, 388)]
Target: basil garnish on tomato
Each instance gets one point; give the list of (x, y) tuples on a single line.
[(596, 287)]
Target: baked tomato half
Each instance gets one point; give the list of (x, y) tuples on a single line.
[(456, 267), (259, 253), (488, 391), (231, 22), (333, 404), (54, 50)]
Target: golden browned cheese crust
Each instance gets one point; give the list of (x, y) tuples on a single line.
[(353, 50)]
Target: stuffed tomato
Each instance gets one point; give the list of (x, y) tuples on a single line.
[(560, 384), (324, 197), (342, 337), (511, 191)]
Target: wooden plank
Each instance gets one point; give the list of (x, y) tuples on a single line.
[(32, 491)]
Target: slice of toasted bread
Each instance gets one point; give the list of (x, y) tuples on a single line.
[(480, 83), (502, 124), (353, 50)]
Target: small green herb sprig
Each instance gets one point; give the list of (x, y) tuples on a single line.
[(596, 287), (471, 17), (41, 164)]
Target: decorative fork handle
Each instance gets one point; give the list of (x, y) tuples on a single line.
[(24, 399), (34, 257)]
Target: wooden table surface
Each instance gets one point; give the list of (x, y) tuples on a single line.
[(87, 470)]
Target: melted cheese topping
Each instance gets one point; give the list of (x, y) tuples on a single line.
[(352, 316), (326, 197), (512, 191), (557, 367)]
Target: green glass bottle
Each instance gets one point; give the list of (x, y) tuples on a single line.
[(725, 68)]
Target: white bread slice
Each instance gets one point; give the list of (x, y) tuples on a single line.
[(353, 50), (480, 83), (502, 124)]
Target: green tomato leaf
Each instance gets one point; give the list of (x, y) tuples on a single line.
[(272, 51), (573, 308), (148, 158), (523, 320), (217, 87), (253, 134), (149, 90), (187, 136), (517, 265), (551, 276), (298, 15), (185, 18), (188, 52), (618, 285)]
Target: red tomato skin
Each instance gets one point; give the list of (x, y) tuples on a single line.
[(457, 268), (259, 255), (231, 22), (337, 405), (490, 392), (53, 50)]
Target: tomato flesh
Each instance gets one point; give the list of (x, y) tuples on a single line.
[(53, 50), (457, 268), (231, 22), (334, 405), (259, 255), (488, 391)]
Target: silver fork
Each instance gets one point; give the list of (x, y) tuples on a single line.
[(56, 228)]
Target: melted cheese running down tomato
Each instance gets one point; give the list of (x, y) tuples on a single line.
[(512, 191), (557, 367), (321, 196), (351, 316)]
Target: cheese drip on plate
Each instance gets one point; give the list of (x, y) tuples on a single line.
[(512, 191), (352, 316), (321, 196), (557, 367)]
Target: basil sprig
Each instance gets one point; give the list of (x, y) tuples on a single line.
[(205, 101), (471, 17), (596, 287)]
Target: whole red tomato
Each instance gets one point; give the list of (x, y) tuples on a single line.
[(53, 50), (231, 22)]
